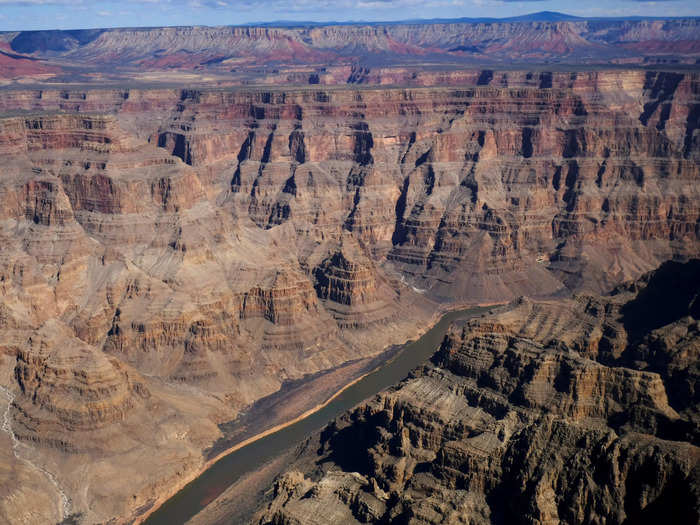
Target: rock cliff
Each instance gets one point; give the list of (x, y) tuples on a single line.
[(561, 409), (417, 54), (171, 256), (230, 48)]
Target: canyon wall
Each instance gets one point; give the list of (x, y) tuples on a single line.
[(406, 54), (171, 256), (583, 41), (574, 411)]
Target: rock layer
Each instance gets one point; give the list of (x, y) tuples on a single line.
[(500, 41), (186, 253), (557, 408)]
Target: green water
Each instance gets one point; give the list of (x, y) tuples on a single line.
[(215, 480)]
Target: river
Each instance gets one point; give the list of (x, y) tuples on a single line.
[(215, 480)]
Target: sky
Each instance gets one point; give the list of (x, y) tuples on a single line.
[(77, 14)]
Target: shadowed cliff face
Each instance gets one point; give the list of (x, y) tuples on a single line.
[(590, 176), (526, 407), (196, 249)]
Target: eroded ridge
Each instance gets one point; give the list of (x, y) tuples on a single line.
[(575, 411)]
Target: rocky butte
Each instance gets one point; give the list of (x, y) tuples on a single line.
[(171, 257)]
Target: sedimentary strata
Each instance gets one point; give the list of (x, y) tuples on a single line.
[(356, 53), (171, 256), (574, 411)]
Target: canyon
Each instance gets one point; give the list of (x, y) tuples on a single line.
[(581, 410), (172, 258)]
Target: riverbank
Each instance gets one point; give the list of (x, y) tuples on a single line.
[(441, 318)]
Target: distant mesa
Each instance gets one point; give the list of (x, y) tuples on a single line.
[(252, 53)]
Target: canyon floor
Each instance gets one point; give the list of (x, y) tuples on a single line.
[(186, 262)]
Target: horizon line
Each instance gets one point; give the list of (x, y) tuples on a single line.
[(291, 24)]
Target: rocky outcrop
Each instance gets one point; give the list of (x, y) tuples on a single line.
[(295, 319), (351, 287), (530, 407), (69, 389)]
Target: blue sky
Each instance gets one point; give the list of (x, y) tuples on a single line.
[(73, 14)]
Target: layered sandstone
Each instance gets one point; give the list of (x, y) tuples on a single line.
[(227, 49), (559, 408), (352, 288), (186, 253)]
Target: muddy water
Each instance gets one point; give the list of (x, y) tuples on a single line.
[(215, 480)]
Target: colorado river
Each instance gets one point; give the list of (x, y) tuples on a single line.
[(212, 482)]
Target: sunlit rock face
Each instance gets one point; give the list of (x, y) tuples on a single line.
[(350, 54), (184, 253)]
